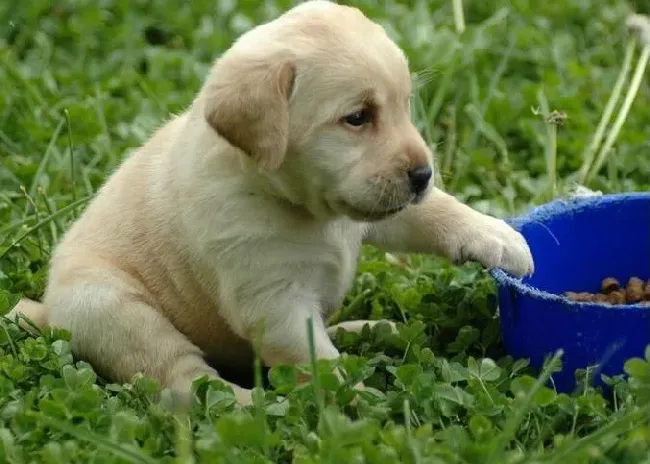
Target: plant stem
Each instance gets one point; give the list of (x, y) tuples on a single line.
[(450, 142), (552, 159), (590, 151), (72, 171), (459, 17), (44, 221), (622, 115)]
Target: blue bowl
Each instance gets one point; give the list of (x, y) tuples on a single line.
[(575, 244)]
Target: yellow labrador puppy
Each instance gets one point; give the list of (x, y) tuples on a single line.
[(251, 207)]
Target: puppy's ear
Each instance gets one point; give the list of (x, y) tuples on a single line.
[(247, 103)]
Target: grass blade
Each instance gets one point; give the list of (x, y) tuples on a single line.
[(590, 152), (43, 164), (617, 427), (511, 425), (459, 16), (43, 222), (622, 115)]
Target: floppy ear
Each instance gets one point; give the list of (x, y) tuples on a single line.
[(247, 103)]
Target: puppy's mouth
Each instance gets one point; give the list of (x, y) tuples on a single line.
[(375, 214), (419, 197)]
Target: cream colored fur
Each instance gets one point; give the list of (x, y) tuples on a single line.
[(252, 206)]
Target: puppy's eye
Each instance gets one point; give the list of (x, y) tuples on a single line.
[(359, 118)]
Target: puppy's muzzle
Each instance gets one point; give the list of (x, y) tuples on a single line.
[(419, 178)]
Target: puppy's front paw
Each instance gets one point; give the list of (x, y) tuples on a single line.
[(494, 244), (243, 396)]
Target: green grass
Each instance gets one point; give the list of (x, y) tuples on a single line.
[(84, 82)]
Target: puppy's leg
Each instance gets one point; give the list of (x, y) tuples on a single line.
[(182, 373), (288, 343), (33, 310), (116, 328), (443, 225), (285, 340)]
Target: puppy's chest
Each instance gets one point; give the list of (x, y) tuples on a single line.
[(334, 266)]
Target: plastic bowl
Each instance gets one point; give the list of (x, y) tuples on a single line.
[(575, 244)]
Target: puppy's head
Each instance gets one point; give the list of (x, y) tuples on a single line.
[(320, 99)]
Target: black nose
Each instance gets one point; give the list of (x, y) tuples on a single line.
[(419, 178)]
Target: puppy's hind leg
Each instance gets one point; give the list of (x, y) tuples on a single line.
[(34, 311), (182, 373), (120, 334), (285, 339)]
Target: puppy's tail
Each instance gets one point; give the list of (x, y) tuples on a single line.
[(34, 311)]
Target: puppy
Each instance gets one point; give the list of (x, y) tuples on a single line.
[(249, 209)]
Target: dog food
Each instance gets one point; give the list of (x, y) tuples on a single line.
[(611, 291)]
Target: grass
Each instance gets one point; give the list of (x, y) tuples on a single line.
[(83, 83)]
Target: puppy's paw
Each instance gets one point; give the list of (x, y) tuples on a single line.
[(243, 396), (358, 388), (494, 244)]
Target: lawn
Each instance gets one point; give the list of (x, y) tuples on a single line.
[(84, 82)]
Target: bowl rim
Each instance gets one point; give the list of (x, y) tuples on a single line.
[(554, 208)]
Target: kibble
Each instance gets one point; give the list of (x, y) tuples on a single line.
[(634, 290), (600, 297), (618, 297), (610, 285), (611, 291)]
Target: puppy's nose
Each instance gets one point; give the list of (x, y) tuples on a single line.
[(419, 178)]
